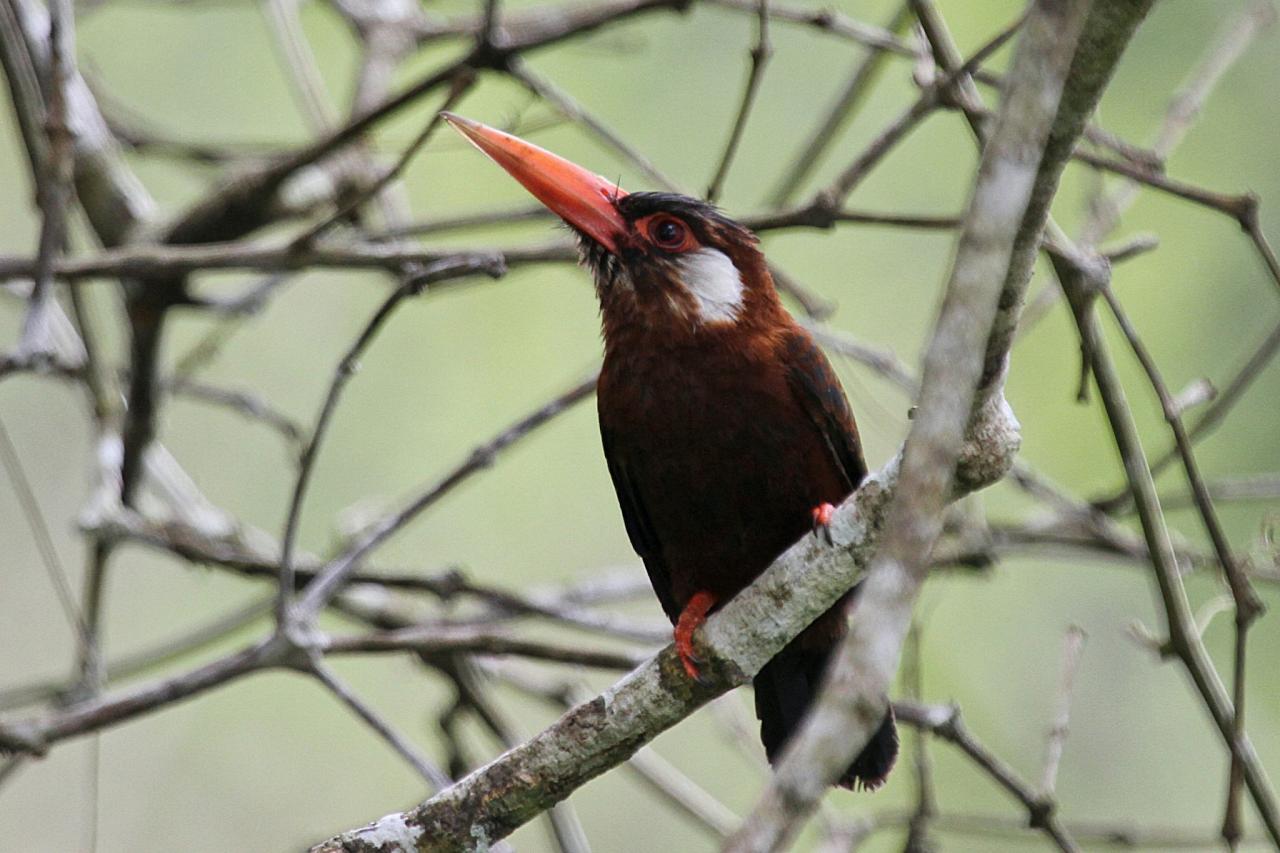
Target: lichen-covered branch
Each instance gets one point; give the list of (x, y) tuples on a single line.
[(1064, 58), (603, 732)]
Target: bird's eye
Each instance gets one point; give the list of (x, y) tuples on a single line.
[(667, 232)]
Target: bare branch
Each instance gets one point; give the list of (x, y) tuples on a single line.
[(759, 58), (846, 107), (1072, 649), (53, 177), (1212, 415), (434, 640), (412, 286), (436, 777), (1081, 279), (461, 85), (157, 261), (945, 723), (1053, 90), (829, 21), (336, 572)]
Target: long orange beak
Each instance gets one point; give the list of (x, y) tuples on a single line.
[(581, 198)]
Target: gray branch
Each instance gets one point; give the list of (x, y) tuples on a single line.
[(1064, 59)]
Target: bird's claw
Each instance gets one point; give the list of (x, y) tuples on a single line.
[(822, 515), (692, 664), (691, 617)]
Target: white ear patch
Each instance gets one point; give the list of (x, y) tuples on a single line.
[(715, 284)]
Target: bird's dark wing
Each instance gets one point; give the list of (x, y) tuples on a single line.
[(639, 527), (818, 390)]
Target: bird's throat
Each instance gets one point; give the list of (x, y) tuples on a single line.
[(715, 284)]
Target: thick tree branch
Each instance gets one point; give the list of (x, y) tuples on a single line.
[(1064, 59), (602, 733)]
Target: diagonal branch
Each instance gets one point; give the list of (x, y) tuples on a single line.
[(412, 286), (851, 100), (1064, 59), (601, 733), (759, 57), (53, 177), (1082, 280)]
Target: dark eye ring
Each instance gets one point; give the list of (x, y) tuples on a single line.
[(668, 232)]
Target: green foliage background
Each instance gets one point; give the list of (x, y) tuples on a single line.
[(273, 762)]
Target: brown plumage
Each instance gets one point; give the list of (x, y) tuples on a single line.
[(723, 425)]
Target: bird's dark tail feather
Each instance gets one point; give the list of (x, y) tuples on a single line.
[(785, 688)]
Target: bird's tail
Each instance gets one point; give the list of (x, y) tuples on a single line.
[(785, 688)]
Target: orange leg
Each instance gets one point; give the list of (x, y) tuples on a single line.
[(691, 617), (822, 514)]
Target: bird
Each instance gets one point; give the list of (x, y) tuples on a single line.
[(726, 431)]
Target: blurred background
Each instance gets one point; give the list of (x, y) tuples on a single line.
[(273, 762)]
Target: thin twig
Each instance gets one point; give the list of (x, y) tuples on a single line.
[(36, 735), (1078, 279), (53, 177), (1092, 834), (882, 361), (945, 722), (155, 261), (301, 63), (926, 797), (928, 101), (335, 573), (242, 402), (843, 111), (568, 106), (460, 222), (1248, 487), (141, 661), (818, 214), (412, 286), (1247, 604), (759, 58), (829, 21), (460, 86), (56, 572), (1213, 414), (432, 640), (1072, 649), (435, 777), (242, 553)]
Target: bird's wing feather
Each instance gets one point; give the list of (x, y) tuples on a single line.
[(639, 527), (818, 390)]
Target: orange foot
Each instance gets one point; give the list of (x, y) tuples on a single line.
[(693, 615), (822, 514)]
